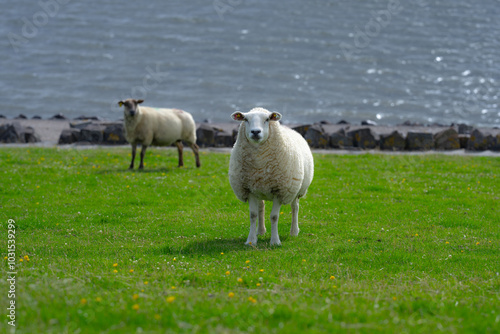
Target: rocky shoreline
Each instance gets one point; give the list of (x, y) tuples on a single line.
[(323, 135)]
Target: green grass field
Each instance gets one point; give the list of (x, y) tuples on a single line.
[(388, 243)]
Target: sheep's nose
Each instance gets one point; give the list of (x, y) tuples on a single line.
[(256, 132), (132, 112)]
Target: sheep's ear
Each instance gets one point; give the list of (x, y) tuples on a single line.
[(139, 101), (238, 116), (275, 116), (120, 103)]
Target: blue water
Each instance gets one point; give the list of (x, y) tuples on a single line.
[(388, 61)]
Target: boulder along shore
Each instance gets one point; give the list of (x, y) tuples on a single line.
[(322, 135)]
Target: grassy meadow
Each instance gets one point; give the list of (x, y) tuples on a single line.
[(387, 244)]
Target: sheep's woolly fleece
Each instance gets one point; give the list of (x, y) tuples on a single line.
[(160, 127), (280, 168)]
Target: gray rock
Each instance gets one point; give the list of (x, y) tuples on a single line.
[(91, 118), (58, 116), (223, 139), (410, 123), (235, 134), (463, 139), (340, 140), (80, 125), (93, 133), (16, 133), (419, 141), (302, 129), (477, 141), (447, 140), (36, 117), (368, 122), (69, 136), (21, 116), (316, 137), (363, 138), (30, 135), (464, 129), (494, 143), (392, 142), (114, 134), (12, 133), (205, 135)]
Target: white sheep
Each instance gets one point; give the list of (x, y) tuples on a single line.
[(269, 162), (160, 127)]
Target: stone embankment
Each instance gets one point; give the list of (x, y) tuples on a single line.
[(323, 135)]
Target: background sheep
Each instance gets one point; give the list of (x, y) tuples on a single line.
[(160, 127), (269, 162)]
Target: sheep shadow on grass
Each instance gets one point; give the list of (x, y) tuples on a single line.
[(216, 246), (135, 170)]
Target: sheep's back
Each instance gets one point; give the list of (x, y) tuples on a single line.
[(163, 127)]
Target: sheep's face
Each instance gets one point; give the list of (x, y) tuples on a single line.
[(130, 107), (256, 123)]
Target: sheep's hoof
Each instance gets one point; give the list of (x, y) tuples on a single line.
[(294, 233), (262, 232), (131, 167), (251, 244), (275, 242)]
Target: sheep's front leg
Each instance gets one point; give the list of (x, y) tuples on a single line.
[(295, 218), (134, 148), (275, 215), (180, 149), (262, 221), (143, 153), (254, 210)]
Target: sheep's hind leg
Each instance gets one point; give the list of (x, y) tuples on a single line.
[(254, 209), (180, 148), (196, 150), (143, 153), (295, 218), (275, 215), (262, 213), (134, 148)]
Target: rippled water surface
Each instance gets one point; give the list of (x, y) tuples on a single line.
[(389, 61)]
